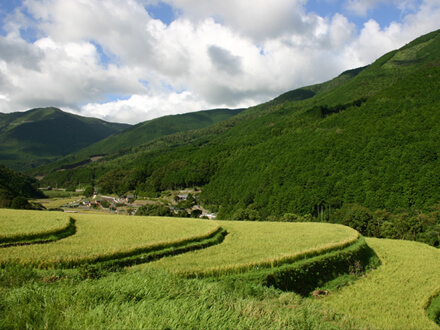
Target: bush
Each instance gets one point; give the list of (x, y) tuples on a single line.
[(89, 191), (304, 276)]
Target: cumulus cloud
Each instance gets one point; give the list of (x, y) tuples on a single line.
[(260, 19), (214, 54)]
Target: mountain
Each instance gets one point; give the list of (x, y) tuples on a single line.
[(145, 132), (371, 136), (39, 136)]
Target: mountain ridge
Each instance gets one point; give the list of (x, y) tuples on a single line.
[(41, 135)]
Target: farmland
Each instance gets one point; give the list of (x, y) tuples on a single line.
[(68, 283), (18, 225), (396, 294), (103, 237), (247, 247)]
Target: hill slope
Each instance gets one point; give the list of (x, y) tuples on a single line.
[(159, 127), (16, 188), (147, 131), (41, 135), (370, 136)]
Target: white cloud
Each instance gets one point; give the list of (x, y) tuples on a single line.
[(143, 107), (215, 54), (362, 7), (260, 19)]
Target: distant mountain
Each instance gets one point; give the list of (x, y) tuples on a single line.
[(159, 127), (145, 132), (371, 136), (39, 136)]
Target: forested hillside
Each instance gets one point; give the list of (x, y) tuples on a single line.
[(16, 189), (145, 132), (370, 136), (39, 136)]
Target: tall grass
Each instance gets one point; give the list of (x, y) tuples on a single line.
[(249, 246), (395, 295), (157, 300), (105, 237)]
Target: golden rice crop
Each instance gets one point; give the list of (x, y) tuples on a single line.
[(249, 245), (22, 223), (396, 294), (100, 237), (54, 203)]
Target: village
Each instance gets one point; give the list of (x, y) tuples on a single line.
[(183, 203)]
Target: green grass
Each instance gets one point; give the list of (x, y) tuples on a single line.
[(434, 309), (153, 299), (21, 225), (394, 296), (251, 245), (106, 237)]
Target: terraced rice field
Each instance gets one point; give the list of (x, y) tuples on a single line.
[(259, 244), (20, 224), (101, 237), (396, 294)]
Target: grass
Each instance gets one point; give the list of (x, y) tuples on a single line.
[(434, 309), (395, 295), (21, 225), (154, 299), (106, 237), (263, 244)]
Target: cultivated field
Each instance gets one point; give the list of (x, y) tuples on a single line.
[(252, 245), (103, 237), (16, 225), (396, 294), (154, 295), (54, 203)]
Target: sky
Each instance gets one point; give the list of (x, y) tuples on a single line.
[(135, 60)]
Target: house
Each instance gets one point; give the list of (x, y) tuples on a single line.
[(182, 197)]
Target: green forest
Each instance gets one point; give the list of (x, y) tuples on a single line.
[(361, 149)]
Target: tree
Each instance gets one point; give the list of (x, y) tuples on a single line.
[(89, 191), (20, 202), (354, 216)]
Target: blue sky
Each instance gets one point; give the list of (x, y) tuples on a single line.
[(384, 12), (135, 60)]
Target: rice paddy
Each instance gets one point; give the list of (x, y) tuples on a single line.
[(18, 225), (103, 237), (262, 244), (394, 296)]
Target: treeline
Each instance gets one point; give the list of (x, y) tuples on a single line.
[(410, 225)]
